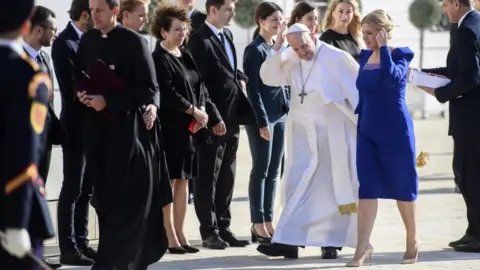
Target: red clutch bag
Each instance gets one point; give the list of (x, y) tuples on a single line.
[(194, 126)]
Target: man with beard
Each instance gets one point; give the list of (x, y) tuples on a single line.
[(76, 192), (115, 78), (42, 34)]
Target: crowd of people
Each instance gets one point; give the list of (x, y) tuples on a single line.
[(323, 105)]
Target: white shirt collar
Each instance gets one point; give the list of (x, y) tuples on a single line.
[(79, 32), (463, 17), (31, 51), (13, 44), (215, 30)]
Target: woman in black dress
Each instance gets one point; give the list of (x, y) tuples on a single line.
[(183, 99), (342, 26)]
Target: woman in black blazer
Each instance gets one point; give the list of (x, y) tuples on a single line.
[(266, 137), (184, 99)]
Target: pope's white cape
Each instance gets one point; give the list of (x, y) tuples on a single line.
[(320, 171)]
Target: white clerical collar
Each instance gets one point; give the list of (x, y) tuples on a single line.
[(31, 51), (189, 14), (12, 44), (214, 29), (77, 30), (463, 17)]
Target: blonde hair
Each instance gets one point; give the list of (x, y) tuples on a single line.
[(354, 28), (380, 20), (129, 6)]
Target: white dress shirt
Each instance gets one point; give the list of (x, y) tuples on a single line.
[(13, 44), (227, 46)]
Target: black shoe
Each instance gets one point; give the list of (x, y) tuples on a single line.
[(472, 246), (232, 240), (52, 264), (258, 238), (214, 242), (76, 258), (278, 250), (462, 241), (190, 249), (89, 253), (177, 250), (329, 253)]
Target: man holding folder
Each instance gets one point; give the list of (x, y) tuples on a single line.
[(463, 93)]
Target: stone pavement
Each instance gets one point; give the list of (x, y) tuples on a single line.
[(441, 218)]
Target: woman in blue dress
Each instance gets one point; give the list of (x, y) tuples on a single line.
[(386, 161)]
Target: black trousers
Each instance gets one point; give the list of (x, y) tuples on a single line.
[(466, 155), (456, 170), (44, 163), (213, 189), (73, 203)]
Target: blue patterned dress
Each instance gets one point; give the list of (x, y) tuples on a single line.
[(386, 160)]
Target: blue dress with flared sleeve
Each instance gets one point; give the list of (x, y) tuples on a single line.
[(386, 159)]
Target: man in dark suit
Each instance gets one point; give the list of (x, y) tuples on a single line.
[(214, 52), (76, 192), (463, 93), (42, 35), (24, 218)]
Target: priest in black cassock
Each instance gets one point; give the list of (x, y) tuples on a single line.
[(115, 78)]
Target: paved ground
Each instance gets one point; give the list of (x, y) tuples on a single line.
[(440, 213)]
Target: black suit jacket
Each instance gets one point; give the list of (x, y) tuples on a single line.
[(64, 51), (221, 79), (197, 19), (55, 134), (463, 69)]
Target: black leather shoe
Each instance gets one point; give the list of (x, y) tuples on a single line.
[(52, 264), (214, 242), (472, 246), (278, 250), (89, 253), (76, 258), (232, 240), (329, 253), (462, 241)]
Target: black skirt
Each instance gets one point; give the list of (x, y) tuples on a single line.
[(181, 165)]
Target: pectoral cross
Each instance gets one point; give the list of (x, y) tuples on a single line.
[(302, 95)]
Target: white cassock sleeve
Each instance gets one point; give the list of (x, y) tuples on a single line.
[(274, 70), (347, 72)]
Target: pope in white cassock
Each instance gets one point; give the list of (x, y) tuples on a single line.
[(316, 200)]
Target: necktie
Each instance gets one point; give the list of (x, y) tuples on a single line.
[(222, 38), (39, 59)]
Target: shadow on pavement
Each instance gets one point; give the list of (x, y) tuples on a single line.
[(436, 177)]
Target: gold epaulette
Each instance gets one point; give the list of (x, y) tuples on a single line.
[(422, 159)]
